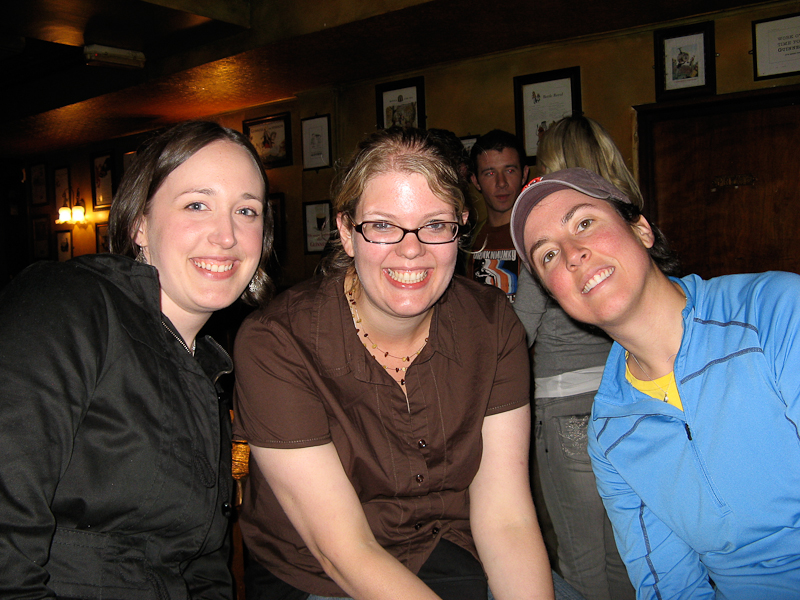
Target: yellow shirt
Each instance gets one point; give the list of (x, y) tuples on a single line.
[(663, 388)]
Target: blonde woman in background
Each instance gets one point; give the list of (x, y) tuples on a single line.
[(567, 368)]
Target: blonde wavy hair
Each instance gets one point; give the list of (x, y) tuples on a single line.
[(579, 141)]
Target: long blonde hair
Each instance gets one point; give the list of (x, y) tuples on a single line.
[(579, 141)]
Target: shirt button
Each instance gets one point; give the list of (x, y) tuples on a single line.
[(418, 526), (420, 478), (435, 531), (422, 444), (226, 509)]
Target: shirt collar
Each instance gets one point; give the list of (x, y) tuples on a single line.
[(332, 323)]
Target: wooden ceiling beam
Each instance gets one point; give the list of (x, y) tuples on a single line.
[(235, 12)]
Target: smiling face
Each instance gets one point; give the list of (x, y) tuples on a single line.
[(592, 261), (203, 232), (500, 178), (404, 279)]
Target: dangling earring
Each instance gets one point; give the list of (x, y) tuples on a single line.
[(255, 284), (141, 257)]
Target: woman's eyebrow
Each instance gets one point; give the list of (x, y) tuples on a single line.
[(564, 220)]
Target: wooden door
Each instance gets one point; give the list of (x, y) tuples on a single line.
[(721, 178)]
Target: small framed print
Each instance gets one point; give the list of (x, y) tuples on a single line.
[(101, 238), (41, 237), (102, 180), (316, 142), (776, 47), (272, 138), (401, 103), (61, 187), (469, 142), (127, 160), (64, 245), (277, 201), (38, 185), (540, 100), (685, 61), (316, 225)]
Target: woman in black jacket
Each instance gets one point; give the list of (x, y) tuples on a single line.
[(115, 472)]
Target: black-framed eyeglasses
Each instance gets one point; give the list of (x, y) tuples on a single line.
[(381, 232)]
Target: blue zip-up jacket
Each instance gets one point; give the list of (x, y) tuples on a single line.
[(712, 492)]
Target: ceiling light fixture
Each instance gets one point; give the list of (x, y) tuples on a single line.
[(107, 56)]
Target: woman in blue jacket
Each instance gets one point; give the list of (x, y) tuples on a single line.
[(693, 435)]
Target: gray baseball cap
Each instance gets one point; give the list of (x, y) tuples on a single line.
[(580, 180)]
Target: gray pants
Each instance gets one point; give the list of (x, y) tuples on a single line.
[(587, 553)]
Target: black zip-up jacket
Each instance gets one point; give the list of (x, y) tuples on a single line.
[(114, 447)]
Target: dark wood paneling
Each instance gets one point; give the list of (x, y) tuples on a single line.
[(721, 178)]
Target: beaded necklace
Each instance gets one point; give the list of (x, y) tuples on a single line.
[(373, 346)]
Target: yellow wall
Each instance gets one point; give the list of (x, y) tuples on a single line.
[(473, 96)]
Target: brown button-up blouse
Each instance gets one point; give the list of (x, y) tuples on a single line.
[(303, 378)]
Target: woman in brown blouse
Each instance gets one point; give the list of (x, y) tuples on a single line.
[(386, 404)]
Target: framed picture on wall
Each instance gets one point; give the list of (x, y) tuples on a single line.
[(272, 138), (316, 225), (127, 160), (685, 61), (101, 238), (278, 203), (61, 187), (38, 185), (401, 103), (102, 180), (469, 142), (776, 47), (540, 100), (316, 142), (41, 237), (64, 245)]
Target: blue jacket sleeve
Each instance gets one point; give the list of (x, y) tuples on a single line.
[(774, 306), (660, 565)]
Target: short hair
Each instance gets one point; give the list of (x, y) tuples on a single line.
[(159, 157), (393, 150), (579, 141), (497, 140)]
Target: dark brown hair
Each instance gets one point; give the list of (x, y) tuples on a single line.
[(153, 164)]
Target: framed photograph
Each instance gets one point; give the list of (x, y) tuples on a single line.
[(316, 225), (469, 142), (272, 138), (540, 100), (102, 180), (41, 237), (278, 202), (127, 160), (776, 47), (62, 191), (685, 61), (101, 238), (401, 103), (316, 142), (38, 185), (64, 245)]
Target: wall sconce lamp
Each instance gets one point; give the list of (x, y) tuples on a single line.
[(75, 214)]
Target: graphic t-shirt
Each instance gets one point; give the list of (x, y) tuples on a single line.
[(495, 260)]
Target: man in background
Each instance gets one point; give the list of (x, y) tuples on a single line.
[(498, 172)]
